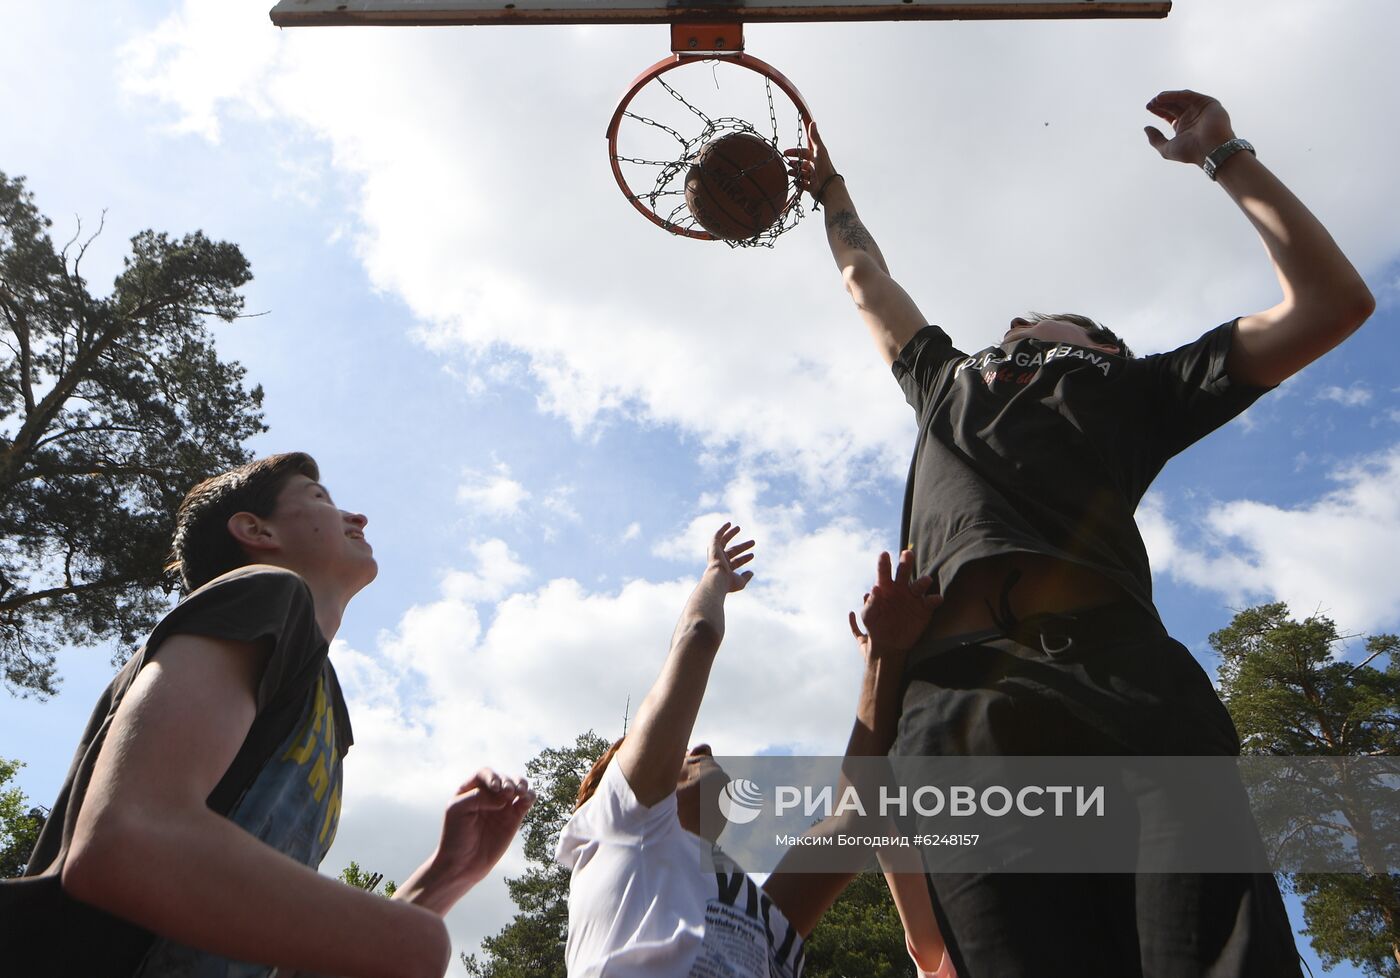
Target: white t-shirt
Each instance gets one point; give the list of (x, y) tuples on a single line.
[(644, 902)]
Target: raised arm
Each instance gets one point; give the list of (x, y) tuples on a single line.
[(1324, 298), (654, 750), (885, 307), (147, 847), (896, 612)]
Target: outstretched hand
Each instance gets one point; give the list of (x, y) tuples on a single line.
[(726, 560), (810, 166), (1199, 123), (480, 822), (897, 609)]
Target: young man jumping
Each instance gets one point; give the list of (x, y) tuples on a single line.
[(1031, 458), (207, 786)]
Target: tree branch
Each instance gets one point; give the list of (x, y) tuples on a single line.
[(1368, 660), (99, 469), (82, 249), (59, 592), (47, 409), (26, 360), (59, 436)]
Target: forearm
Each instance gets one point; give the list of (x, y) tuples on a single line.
[(199, 879), (1311, 268), (908, 886), (652, 755), (793, 883), (810, 878), (434, 886), (703, 613), (654, 750), (851, 243), (877, 705), (886, 309), (873, 731), (668, 712)]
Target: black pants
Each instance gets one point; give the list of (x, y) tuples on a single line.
[(1104, 682)]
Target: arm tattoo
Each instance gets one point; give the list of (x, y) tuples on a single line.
[(849, 229)]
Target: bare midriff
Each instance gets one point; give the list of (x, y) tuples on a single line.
[(1044, 586)]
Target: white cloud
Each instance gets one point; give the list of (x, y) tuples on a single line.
[(1354, 396), (492, 493), (633, 532), (1339, 553), (495, 238), (498, 573), (559, 501), (177, 62)]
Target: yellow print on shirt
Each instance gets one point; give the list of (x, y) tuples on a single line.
[(317, 740)]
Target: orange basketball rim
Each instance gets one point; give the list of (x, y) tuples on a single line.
[(691, 43)]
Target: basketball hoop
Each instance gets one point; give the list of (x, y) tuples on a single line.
[(659, 129)]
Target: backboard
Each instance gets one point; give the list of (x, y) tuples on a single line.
[(311, 13)]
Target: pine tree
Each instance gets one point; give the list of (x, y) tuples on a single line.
[(860, 936), (20, 823), (1291, 696), (111, 407)]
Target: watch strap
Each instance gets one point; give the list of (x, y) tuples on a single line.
[(1223, 152)]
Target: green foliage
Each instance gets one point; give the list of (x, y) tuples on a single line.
[(19, 823), (1291, 696), (361, 879), (860, 936), (110, 409), (1346, 917), (532, 945)]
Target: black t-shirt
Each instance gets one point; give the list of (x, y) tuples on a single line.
[(283, 785), (1047, 447)]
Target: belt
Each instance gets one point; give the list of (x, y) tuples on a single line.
[(1055, 635)]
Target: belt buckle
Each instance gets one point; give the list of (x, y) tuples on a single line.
[(1056, 641)]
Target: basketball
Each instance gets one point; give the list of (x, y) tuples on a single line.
[(737, 186)]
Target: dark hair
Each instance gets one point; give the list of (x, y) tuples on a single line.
[(1097, 333), (590, 781), (202, 547)]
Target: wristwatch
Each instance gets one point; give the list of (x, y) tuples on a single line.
[(1223, 152)]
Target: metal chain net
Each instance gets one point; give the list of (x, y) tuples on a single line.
[(666, 198)]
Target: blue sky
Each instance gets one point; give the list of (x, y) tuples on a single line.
[(544, 404)]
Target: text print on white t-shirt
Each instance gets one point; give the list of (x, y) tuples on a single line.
[(739, 940)]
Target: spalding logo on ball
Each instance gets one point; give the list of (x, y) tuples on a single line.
[(737, 186)]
